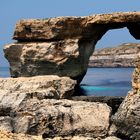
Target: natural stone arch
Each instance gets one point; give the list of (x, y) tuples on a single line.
[(60, 41), (62, 46)]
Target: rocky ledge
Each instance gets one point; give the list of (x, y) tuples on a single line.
[(120, 56)]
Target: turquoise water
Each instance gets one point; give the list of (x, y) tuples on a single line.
[(107, 81), (100, 81)]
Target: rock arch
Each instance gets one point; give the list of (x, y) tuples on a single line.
[(62, 46)]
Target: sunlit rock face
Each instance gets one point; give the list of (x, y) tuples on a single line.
[(49, 86), (128, 116), (26, 112), (60, 28), (62, 58), (62, 46)]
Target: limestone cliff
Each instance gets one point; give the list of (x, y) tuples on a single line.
[(120, 56)]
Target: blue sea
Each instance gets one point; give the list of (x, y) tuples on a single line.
[(100, 81), (107, 81)]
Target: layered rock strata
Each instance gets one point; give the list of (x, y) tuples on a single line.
[(62, 46), (128, 116), (120, 56)]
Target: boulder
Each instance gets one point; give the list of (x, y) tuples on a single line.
[(63, 58), (51, 118), (15, 90), (4, 135), (127, 118)]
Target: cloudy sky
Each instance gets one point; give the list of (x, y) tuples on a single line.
[(13, 10)]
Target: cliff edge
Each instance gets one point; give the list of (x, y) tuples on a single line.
[(121, 56)]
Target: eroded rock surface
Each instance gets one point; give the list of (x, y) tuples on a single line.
[(13, 136), (76, 27), (127, 119), (17, 89), (4, 135), (63, 58), (113, 102), (49, 117), (62, 46)]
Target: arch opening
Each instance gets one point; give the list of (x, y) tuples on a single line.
[(113, 79)]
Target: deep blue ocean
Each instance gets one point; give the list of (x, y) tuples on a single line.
[(100, 81)]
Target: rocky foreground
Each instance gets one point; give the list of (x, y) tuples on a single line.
[(48, 61), (120, 56)]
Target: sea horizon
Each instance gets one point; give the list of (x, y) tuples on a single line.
[(99, 81)]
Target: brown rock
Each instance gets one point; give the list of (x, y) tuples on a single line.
[(39, 86), (128, 116), (50, 117), (13, 136), (76, 27), (4, 135), (63, 58), (83, 138)]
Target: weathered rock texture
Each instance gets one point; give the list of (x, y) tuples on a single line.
[(30, 114), (92, 27), (63, 58), (113, 102), (13, 136), (120, 56), (62, 45), (127, 119), (4, 135), (39, 86)]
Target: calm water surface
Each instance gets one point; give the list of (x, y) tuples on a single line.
[(100, 81), (107, 81)]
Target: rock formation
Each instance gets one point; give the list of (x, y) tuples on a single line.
[(62, 58), (127, 119), (30, 114), (120, 56), (10, 136), (39, 86), (62, 46)]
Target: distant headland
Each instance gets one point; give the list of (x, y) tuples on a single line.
[(123, 55)]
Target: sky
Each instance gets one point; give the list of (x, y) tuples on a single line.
[(12, 11)]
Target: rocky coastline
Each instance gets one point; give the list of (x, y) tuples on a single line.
[(47, 63), (121, 56)]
